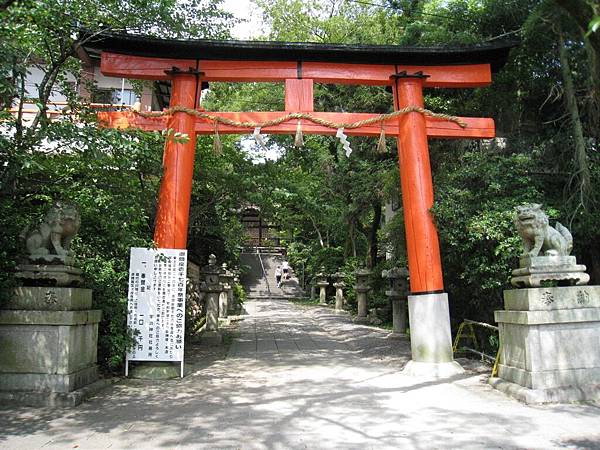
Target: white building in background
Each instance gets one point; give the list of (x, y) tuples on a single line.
[(105, 92)]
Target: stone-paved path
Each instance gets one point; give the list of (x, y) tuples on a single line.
[(301, 377)]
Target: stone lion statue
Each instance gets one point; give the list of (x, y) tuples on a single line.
[(54, 235), (537, 234)]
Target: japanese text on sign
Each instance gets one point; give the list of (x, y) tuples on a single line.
[(156, 303)]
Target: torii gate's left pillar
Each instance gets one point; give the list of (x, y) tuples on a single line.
[(178, 165)]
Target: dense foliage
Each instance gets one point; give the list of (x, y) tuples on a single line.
[(111, 175), (545, 102)]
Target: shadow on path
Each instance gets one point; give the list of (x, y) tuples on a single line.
[(301, 378)]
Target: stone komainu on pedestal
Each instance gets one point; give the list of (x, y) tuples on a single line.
[(546, 258), (537, 234), (48, 331), (52, 238), (550, 328), (48, 260)]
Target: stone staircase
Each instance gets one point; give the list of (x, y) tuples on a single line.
[(259, 285)]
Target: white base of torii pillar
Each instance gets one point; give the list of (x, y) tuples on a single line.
[(430, 338)]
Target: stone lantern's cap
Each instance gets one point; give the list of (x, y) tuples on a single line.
[(363, 271), (395, 272), (401, 271), (212, 260)]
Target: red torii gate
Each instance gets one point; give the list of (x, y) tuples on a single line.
[(186, 64)]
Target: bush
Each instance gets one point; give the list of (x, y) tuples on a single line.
[(475, 198), (112, 177)]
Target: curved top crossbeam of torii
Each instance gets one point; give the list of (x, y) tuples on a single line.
[(406, 69)]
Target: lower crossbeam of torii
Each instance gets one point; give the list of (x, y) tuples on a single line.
[(408, 70)]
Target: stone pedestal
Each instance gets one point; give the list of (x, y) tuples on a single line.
[(230, 300), (323, 292), (550, 344), (339, 296), (534, 271), (339, 291), (226, 281), (212, 289), (322, 283), (398, 279), (398, 316), (362, 288), (430, 338), (223, 304), (212, 310), (49, 274), (232, 303), (362, 304), (48, 345)]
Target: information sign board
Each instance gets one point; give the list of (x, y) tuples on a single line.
[(156, 304)]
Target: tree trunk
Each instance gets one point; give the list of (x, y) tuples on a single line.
[(582, 12), (582, 173), (373, 241), (594, 89), (5, 4), (314, 224), (594, 264), (350, 247)]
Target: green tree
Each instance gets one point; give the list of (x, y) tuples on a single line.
[(111, 175), (544, 102)]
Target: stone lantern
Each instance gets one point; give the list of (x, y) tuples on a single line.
[(213, 289), (233, 303), (322, 283), (398, 280), (339, 285), (361, 288), (226, 296)]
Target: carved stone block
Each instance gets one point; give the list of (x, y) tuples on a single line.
[(49, 275), (538, 270), (549, 341), (48, 344)]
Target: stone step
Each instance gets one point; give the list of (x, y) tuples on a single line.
[(254, 281), (271, 297)]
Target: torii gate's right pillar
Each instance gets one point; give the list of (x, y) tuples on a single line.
[(430, 337)]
